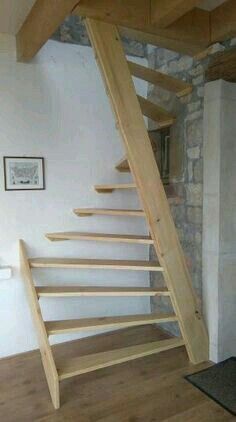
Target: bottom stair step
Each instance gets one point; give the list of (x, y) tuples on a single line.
[(84, 324), (81, 365)]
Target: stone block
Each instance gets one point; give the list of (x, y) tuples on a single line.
[(194, 215), (193, 153), (198, 171), (194, 132), (194, 194)]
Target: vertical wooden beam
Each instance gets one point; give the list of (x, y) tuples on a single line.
[(45, 348), (42, 21), (115, 71), (164, 13)]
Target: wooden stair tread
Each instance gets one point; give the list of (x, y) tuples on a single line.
[(79, 365), (94, 263), (103, 237), (111, 187), (84, 324), (70, 291), (156, 113), (107, 211), (179, 87)]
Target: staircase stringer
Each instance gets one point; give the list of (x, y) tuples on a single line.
[(44, 345), (120, 89)]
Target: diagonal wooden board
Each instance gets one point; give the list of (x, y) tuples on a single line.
[(115, 71)]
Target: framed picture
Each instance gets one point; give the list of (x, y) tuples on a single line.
[(24, 173)]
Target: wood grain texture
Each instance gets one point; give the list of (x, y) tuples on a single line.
[(101, 291), (116, 75), (102, 264), (109, 188), (85, 324), (165, 13), (42, 21), (106, 211), (222, 66), (45, 349), (101, 237), (81, 365), (223, 21), (180, 88)]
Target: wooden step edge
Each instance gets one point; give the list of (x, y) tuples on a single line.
[(177, 86), (85, 324), (156, 113), (101, 237), (123, 166), (102, 264), (101, 291), (82, 212), (112, 187), (68, 368)]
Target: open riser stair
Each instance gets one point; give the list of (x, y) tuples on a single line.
[(139, 160)]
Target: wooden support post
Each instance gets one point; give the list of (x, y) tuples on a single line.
[(114, 68), (45, 348)]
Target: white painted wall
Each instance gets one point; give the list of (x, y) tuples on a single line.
[(56, 107), (219, 218)]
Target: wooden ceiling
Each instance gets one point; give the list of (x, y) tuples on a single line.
[(180, 25)]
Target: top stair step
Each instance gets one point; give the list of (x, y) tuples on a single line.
[(180, 88)]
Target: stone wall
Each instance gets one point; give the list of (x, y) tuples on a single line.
[(186, 154)]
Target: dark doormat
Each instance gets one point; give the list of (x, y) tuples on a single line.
[(219, 383)]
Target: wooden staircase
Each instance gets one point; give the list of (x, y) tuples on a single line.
[(171, 262)]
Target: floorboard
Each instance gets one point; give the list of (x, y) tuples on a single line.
[(151, 389)]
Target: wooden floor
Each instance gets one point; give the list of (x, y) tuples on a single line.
[(145, 390)]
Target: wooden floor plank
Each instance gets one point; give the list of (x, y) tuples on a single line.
[(148, 389)]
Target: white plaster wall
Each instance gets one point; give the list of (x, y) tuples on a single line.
[(56, 107), (219, 223)]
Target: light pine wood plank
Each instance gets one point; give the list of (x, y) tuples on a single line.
[(119, 85), (180, 88), (110, 188), (84, 364), (45, 349), (163, 14), (101, 237), (44, 14), (156, 113), (103, 291), (81, 212), (102, 264), (84, 324)]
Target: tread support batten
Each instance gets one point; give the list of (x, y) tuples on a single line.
[(118, 81)]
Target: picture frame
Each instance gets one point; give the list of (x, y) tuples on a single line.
[(24, 173)]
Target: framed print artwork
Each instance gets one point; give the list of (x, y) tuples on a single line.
[(24, 173)]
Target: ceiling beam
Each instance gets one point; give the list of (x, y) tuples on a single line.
[(192, 29), (223, 21), (222, 66), (164, 13), (42, 21)]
